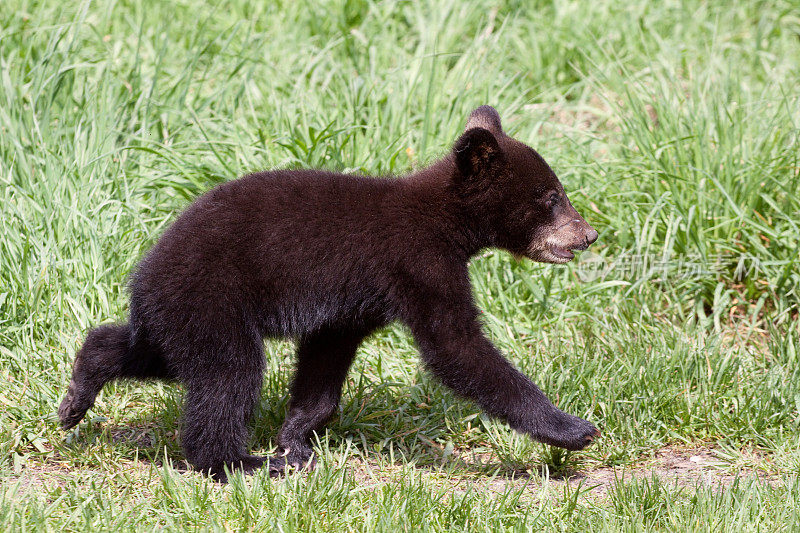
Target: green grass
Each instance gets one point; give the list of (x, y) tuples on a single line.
[(673, 126)]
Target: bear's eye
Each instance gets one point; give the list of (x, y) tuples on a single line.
[(552, 201)]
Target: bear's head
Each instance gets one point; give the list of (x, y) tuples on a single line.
[(512, 194)]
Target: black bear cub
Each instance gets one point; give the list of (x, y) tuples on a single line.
[(325, 259)]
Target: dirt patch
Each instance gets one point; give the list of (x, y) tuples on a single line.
[(681, 467), (672, 465), (40, 477)]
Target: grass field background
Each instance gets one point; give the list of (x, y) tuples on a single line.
[(672, 125)]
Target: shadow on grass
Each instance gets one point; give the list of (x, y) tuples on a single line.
[(383, 423)]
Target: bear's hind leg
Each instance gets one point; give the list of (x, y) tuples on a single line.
[(107, 354), (323, 361), (222, 391)]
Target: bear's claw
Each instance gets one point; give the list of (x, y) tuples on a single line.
[(291, 461), (72, 410), (247, 465), (566, 431)]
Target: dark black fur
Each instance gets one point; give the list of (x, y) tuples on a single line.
[(325, 259)]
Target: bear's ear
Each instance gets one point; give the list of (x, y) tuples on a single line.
[(485, 117), (476, 151)]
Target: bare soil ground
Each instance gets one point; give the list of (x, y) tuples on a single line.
[(673, 465)]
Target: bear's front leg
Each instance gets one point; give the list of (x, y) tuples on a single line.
[(322, 363), (456, 351)]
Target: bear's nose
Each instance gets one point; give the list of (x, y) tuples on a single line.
[(591, 235)]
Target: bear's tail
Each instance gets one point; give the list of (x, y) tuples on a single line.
[(107, 354)]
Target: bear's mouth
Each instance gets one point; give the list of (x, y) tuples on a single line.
[(562, 253)]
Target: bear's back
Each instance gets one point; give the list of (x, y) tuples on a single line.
[(292, 247)]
